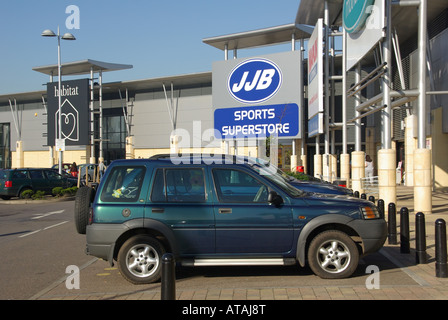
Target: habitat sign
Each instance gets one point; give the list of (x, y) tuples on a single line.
[(74, 112), (258, 96)]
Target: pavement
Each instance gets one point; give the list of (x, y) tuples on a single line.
[(422, 283)]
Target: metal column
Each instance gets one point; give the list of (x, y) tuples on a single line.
[(387, 81), (422, 74)]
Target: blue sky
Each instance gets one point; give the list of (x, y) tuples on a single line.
[(159, 38)]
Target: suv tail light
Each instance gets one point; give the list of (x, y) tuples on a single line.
[(8, 184), (90, 217)]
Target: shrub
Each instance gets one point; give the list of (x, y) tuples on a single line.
[(69, 191), (299, 176), (57, 191), (38, 195), (26, 194)]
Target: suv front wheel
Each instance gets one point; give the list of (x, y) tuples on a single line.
[(139, 259), (333, 255)]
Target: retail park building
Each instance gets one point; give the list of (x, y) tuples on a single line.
[(349, 86)]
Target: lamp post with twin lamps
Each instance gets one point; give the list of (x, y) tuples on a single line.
[(66, 36)]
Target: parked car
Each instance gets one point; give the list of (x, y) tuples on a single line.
[(92, 169), (65, 167), (217, 212), (14, 182), (312, 184)]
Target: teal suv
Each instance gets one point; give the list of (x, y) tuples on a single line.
[(218, 211)]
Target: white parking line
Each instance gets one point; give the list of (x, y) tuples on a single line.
[(29, 233), (55, 225), (42, 215), (49, 227)]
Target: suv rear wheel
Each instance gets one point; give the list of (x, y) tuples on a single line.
[(333, 255), (139, 259)]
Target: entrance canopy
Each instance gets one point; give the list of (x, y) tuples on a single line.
[(260, 37), (82, 67)]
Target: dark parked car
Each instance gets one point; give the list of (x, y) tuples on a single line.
[(212, 212), (312, 184), (13, 182)]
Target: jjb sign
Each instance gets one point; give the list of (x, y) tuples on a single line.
[(254, 80), (256, 97)]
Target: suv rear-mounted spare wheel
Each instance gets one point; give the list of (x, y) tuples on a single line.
[(84, 197)]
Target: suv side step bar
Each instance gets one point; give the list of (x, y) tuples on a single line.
[(239, 262)]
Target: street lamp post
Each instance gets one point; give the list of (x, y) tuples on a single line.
[(66, 36)]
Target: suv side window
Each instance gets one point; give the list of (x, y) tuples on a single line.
[(123, 184), (36, 174), (179, 185), (238, 186), (52, 175)]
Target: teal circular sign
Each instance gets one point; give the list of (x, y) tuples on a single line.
[(355, 13)]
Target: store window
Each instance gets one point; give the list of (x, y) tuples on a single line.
[(5, 146), (114, 135)]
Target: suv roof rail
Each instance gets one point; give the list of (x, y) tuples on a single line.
[(229, 157), (169, 155)]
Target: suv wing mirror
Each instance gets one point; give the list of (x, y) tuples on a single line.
[(275, 199)]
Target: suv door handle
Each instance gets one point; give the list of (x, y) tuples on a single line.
[(225, 210), (158, 210)]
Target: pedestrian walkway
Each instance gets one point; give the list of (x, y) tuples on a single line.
[(422, 284)]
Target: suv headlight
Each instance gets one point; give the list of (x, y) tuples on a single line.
[(370, 213)]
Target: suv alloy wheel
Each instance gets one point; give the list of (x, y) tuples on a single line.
[(139, 259), (333, 255)]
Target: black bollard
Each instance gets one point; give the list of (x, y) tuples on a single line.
[(392, 224), (372, 199), (441, 263), (168, 277), (420, 239), (356, 194), (381, 207), (404, 231), (363, 196)]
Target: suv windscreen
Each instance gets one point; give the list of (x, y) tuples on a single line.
[(123, 184), (272, 175)]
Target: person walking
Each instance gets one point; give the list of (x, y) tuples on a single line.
[(369, 168), (74, 170)]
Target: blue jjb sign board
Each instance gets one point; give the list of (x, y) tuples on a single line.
[(256, 97)]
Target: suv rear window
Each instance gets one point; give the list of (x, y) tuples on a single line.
[(179, 185), (123, 184), (19, 174)]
